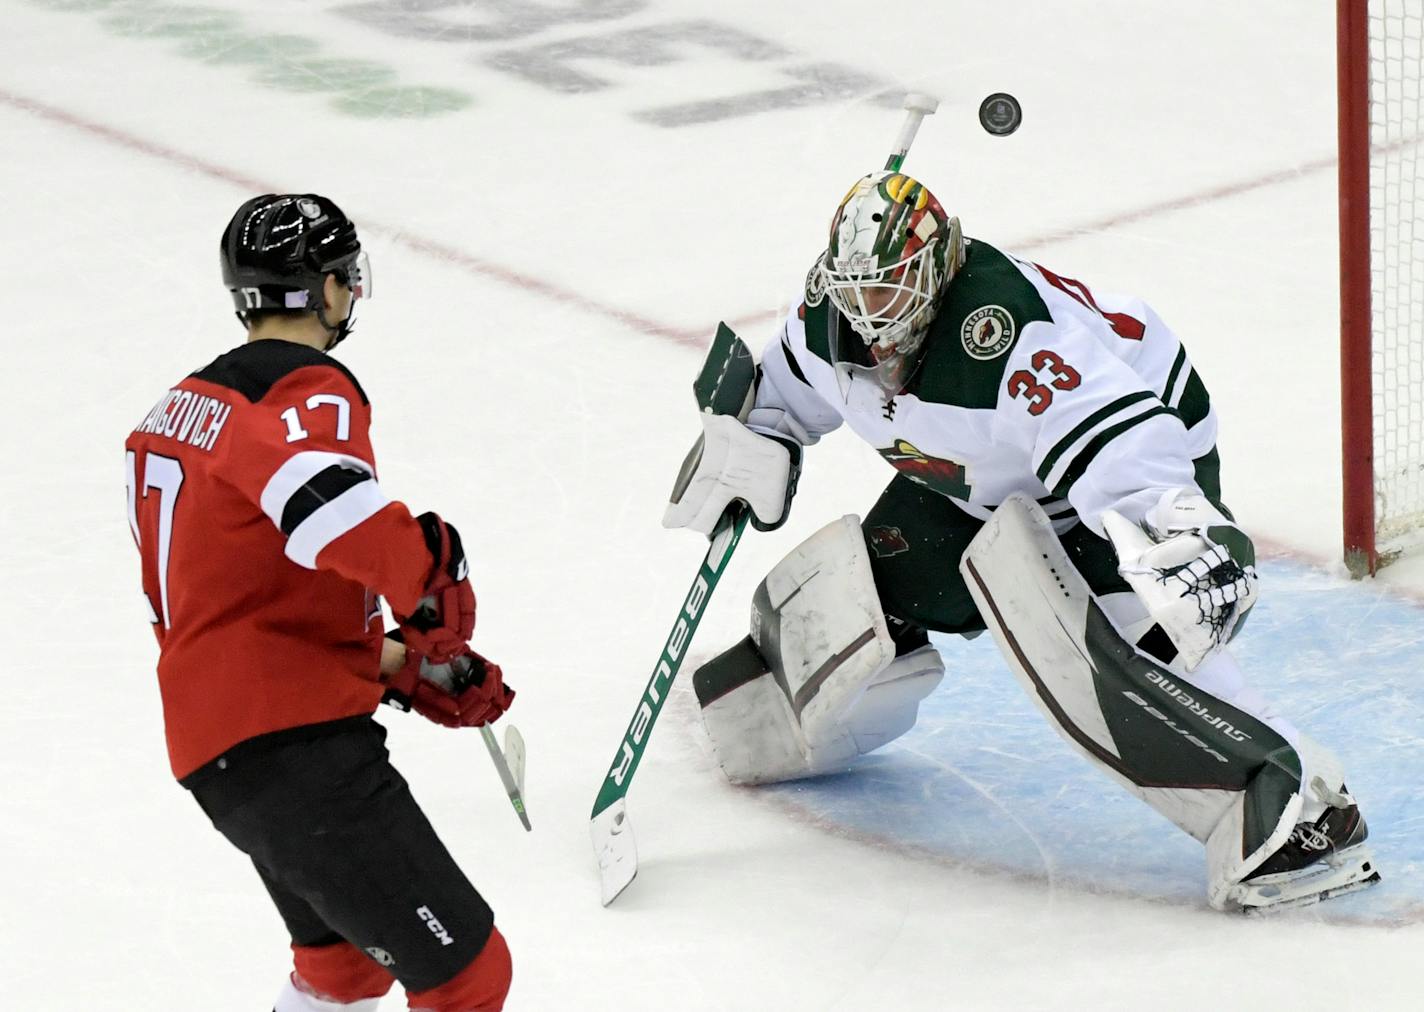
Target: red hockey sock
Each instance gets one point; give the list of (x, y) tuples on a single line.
[(339, 972), (479, 987)]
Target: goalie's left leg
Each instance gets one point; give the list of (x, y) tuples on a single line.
[(821, 679), (1202, 749)]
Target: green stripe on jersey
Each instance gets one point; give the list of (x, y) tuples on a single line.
[(1195, 404), (1083, 428), (1177, 364), (1084, 459), (1207, 470)]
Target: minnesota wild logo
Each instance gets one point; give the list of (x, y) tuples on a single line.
[(935, 473), (987, 332), (886, 542)]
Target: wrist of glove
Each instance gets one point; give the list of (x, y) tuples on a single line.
[(1193, 568), (444, 620), (465, 691), (729, 464)]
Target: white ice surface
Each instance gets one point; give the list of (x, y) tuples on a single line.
[(546, 266)]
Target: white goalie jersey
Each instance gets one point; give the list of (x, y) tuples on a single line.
[(1029, 382)]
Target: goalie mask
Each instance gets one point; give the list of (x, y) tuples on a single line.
[(892, 251)]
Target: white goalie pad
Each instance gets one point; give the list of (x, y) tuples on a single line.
[(835, 689), (817, 620), (1220, 773)]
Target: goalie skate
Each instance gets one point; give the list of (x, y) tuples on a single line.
[(1320, 859)]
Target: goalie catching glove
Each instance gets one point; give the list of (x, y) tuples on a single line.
[(1193, 568), (732, 463), (465, 691)]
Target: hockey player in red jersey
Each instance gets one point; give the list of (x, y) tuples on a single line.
[(267, 544)]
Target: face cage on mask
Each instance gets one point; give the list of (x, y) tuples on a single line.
[(902, 330)]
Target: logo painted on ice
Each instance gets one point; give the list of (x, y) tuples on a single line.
[(987, 332), (433, 923)]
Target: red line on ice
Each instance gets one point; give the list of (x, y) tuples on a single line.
[(429, 247)]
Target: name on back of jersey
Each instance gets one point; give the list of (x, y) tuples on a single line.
[(188, 417)]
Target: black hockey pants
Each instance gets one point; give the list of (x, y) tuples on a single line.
[(916, 538), (344, 849)]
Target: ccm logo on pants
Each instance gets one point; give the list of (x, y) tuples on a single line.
[(436, 928)]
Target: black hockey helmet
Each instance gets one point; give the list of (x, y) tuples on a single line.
[(278, 249)]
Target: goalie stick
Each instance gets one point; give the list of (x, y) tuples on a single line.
[(726, 385), (613, 841)]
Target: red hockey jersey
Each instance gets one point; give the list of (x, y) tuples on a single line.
[(265, 540)]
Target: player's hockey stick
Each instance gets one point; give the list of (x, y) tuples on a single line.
[(510, 766), (509, 763), (612, 834)]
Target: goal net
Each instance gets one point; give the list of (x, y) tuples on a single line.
[(1381, 63)]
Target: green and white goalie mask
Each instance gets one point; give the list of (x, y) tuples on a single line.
[(892, 251)]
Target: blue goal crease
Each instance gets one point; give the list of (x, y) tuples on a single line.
[(982, 781)]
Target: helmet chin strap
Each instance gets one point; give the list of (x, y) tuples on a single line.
[(342, 330)]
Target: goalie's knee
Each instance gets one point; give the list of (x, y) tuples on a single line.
[(818, 682)]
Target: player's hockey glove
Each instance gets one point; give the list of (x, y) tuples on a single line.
[(1193, 568), (465, 691), (732, 463), (445, 618)]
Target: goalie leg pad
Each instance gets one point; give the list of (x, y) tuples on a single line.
[(1193, 757), (817, 683)]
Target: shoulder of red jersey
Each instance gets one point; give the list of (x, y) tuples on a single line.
[(255, 368)]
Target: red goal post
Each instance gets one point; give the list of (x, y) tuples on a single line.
[(1380, 65)]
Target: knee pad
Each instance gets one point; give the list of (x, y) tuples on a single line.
[(817, 682), (479, 987), (328, 978)]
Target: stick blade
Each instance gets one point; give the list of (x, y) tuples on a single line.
[(514, 755), (616, 849), (512, 779)]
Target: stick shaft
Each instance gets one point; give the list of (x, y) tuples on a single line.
[(635, 740), (917, 107)]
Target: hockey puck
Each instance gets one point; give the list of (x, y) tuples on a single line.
[(1000, 114)]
